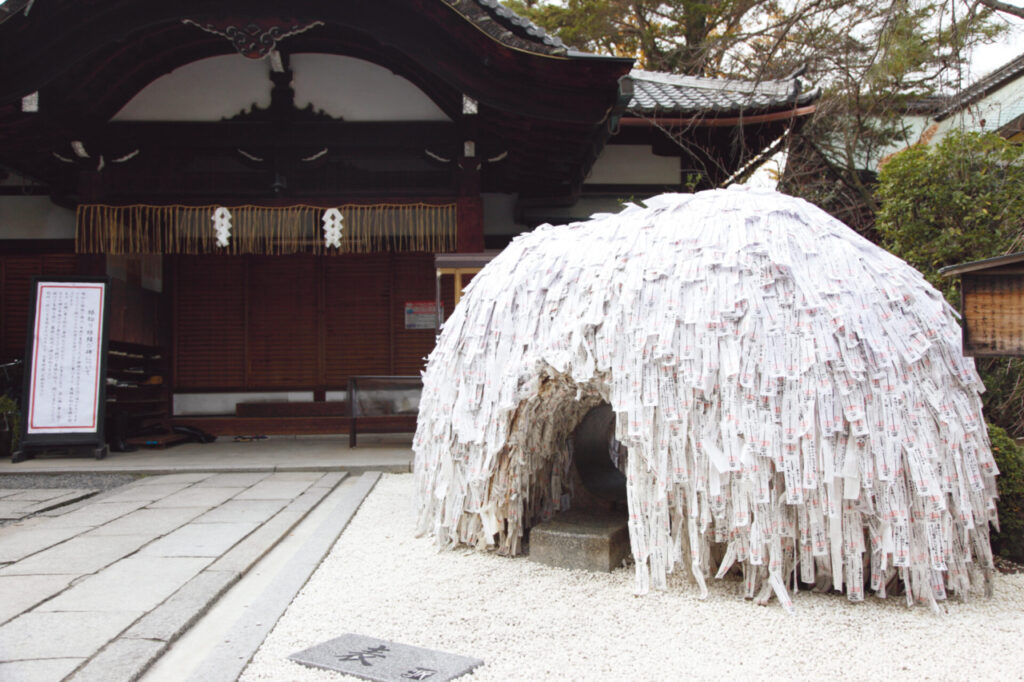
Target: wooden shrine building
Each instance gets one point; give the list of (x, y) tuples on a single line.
[(417, 127)]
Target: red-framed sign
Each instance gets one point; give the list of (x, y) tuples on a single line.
[(65, 363)]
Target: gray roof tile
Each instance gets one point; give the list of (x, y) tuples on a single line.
[(666, 93), (508, 27), (1006, 73)]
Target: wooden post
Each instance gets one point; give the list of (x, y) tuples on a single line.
[(469, 221)]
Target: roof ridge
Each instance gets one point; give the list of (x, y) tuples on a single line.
[(507, 27), (711, 83), (983, 86)]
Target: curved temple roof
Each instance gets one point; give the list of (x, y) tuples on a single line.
[(662, 93)]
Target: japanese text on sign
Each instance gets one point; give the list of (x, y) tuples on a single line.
[(65, 374)]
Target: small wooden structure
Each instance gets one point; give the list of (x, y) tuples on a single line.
[(461, 267), (992, 305)]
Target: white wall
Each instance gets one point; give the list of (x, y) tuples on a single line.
[(206, 90), (195, 404), (995, 110), (633, 164), (35, 218), (358, 90), (220, 87)]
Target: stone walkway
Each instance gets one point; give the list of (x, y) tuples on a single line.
[(17, 504), (99, 589)]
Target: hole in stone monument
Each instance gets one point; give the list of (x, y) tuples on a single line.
[(599, 458), (593, 534)]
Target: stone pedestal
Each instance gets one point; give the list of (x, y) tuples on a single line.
[(589, 539)]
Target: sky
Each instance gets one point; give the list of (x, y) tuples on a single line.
[(987, 58)]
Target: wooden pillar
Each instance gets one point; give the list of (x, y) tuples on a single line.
[(470, 211), (469, 216)]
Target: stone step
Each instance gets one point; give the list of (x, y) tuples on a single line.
[(587, 540)]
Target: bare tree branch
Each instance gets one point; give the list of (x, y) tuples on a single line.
[(1003, 7)]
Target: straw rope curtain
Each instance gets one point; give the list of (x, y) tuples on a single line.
[(264, 230)]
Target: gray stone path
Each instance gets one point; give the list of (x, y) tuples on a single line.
[(18, 503), (99, 589)]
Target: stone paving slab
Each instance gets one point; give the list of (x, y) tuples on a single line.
[(134, 584), (152, 522), (46, 494), (22, 592), (246, 553), (15, 545), (243, 510), (78, 556), (145, 493), (41, 634), (166, 479), (123, 659), (297, 475), (12, 510), (241, 480), (35, 500), (200, 540), (151, 556), (330, 479), (94, 515), (276, 489), (226, 662), (196, 497), (41, 670), (174, 616)]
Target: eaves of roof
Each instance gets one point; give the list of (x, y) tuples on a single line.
[(517, 32), (1006, 73), (985, 264), (657, 93)]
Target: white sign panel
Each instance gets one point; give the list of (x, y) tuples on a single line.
[(65, 374)]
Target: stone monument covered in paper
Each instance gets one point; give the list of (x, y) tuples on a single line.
[(793, 399)]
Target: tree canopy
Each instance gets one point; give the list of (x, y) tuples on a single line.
[(872, 60), (960, 201)]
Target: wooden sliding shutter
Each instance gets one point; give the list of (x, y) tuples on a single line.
[(283, 335), (210, 322), (298, 322), (357, 334), (16, 273)]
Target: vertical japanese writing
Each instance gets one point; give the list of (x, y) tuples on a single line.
[(65, 381)]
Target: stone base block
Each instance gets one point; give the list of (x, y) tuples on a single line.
[(588, 540)]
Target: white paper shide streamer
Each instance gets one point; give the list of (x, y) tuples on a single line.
[(793, 399), (222, 225), (333, 222)]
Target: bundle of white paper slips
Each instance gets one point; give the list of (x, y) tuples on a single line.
[(793, 398)]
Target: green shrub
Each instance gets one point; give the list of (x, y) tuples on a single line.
[(1009, 541), (958, 201)]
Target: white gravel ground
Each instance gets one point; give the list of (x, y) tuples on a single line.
[(530, 622)]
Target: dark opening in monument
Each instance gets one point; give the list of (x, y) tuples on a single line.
[(593, 534), (598, 456)]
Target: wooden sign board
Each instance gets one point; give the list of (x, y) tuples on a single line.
[(65, 363), (993, 310)]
